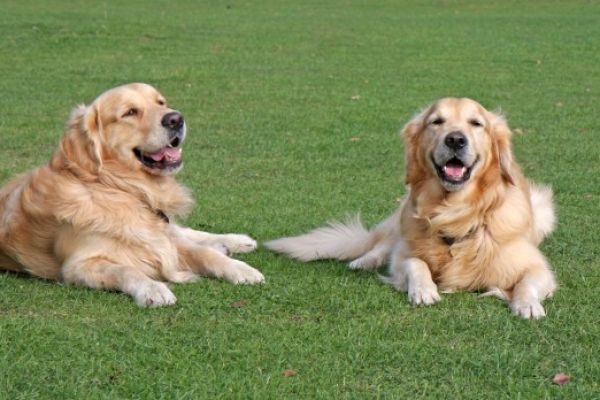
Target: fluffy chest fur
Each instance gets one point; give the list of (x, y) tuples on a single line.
[(462, 241)]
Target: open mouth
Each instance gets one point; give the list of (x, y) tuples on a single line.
[(454, 171), (167, 158)]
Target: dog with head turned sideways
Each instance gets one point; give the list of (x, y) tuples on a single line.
[(470, 221), (100, 212)]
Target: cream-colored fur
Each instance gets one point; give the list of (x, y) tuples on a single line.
[(97, 216), (480, 233)]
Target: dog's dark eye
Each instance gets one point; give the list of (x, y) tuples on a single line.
[(161, 102), (131, 112), (475, 123), (438, 121)]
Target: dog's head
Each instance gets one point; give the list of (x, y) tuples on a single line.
[(131, 125), (457, 141)]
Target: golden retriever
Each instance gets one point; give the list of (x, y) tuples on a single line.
[(100, 212), (471, 221)]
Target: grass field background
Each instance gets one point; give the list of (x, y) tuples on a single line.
[(293, 110)]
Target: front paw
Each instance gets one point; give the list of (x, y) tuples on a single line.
[(154, 294), (238, 243), (527, 309), (241, 273), (426, 294)]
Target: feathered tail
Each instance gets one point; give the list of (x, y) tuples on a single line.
[(340, 240), (544, 219)]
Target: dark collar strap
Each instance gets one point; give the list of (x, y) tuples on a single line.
[(450, 240), (162, 216)]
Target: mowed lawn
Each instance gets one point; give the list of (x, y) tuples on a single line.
[(293, 111)]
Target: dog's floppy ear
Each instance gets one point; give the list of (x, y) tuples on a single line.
[(81, 142), (92, 130), (410, 134), (501, 136)]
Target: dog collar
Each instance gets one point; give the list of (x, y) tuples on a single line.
[(162, 215), (450, 240)]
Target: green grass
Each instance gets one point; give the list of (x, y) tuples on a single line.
[(266, 88)]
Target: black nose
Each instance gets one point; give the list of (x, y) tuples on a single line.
[(172, 120), (456, 140)]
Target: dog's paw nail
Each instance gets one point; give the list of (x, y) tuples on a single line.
[(528, 310), (237, 243), (155, 294), (424, 296), (242, 273)]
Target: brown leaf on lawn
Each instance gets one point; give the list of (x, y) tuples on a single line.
[(355, 97), (238, 304), (561, 378), (288, 372), (354, 139), (518, 131)]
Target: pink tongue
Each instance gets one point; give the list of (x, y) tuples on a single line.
[(170, 154), (454, 171)]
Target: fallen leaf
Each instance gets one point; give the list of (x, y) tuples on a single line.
[(561, 378), (355, 97), (288, 373), (519, 131), (354, 139), (238, 304)]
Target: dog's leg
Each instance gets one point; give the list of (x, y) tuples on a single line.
[(420, 286), (536, 284), (207, 261), (374, 258), (225, 243), (101, 273), (522, 260), (412, 275)]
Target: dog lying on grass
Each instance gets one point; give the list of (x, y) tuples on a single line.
[(471, 220), (99, 214)]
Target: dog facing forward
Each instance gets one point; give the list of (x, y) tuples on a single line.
[(471, 220), (99, 214)]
